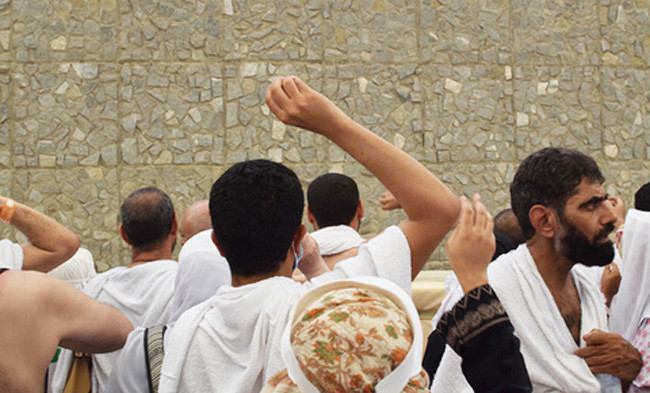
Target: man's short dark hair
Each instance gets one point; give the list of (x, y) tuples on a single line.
[(147, 217), (333, 199), (256, 208), (642, 198), (549, 177)]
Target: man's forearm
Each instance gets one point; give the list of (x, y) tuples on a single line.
[(50, 242)]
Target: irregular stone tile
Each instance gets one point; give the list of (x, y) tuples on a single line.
[(6, 125), (624, 178), (281, 30), (170, 30), (555, 32), (6, 53), (625, 30), (371, 31), (62, 30), (626, 113), (385, 99), (252, 130), (467, 113), (172, 113), (184, 185), (455, 32), (84, 200), (562, 106), (65, 115), (7, 190)]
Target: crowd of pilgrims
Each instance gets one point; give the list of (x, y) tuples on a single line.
[(551, 294)]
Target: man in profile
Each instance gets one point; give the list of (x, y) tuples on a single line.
[(557, 312)]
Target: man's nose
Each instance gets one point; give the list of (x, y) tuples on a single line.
[(609, 214)]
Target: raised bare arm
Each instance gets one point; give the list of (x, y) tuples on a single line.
[(431, 208), (50, 243)]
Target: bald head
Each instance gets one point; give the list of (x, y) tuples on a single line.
[(195, 219), (506, 223)]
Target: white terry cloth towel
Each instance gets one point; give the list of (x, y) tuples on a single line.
[(232, 361), (76, 271), (142, 293), (546, 343), (632, 303), (201, 271), (336, 239)]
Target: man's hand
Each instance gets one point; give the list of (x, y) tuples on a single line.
[(609, 353), (471, 245), (311, 264), (388, 201), (610, 281), (296, 104)]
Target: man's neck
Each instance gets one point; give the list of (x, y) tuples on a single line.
[(554, 268), (140, 257)]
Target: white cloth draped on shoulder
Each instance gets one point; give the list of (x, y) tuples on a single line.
[(632, 303), (142, 293), (336, 239), (76, 271), (201, 271), (546, 343)]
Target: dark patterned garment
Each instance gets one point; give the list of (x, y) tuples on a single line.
[(479, 330)]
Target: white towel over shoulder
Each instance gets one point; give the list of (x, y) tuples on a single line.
[(546, 343), (336, 239)]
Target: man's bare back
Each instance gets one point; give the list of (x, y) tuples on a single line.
[(39, 313)]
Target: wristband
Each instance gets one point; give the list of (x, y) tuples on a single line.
[(7, 211)]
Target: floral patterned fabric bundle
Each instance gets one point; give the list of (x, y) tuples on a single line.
[(347, 341)]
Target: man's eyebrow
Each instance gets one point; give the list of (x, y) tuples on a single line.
[(593, 201)]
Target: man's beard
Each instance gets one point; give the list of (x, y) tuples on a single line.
[(578, 248)]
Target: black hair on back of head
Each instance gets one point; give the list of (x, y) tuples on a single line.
[(147, 216), (642, 198), (256, 207), (333, 199)]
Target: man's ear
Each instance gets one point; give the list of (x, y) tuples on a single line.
[(123, 235), (311, 218), (360, 210), (216, 243), (544, 220), (297, 238), (174, 228)]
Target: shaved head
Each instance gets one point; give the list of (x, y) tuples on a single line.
[(195, 219)]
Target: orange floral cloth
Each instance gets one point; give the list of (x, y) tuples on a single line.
[(347, 341)]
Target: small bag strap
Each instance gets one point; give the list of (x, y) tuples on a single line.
[(154, 350)]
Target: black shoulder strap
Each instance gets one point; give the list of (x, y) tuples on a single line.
[(4, 269), (154, 351)]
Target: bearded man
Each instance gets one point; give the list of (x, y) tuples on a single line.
[(558, 313)]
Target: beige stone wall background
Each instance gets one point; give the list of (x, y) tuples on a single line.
[(100, 97)]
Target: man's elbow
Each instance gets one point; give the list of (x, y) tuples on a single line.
[(68, 246)]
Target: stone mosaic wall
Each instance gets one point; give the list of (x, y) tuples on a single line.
[(101, 97)]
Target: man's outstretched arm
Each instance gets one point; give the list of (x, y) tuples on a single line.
[(431, 208), (50, 243)]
